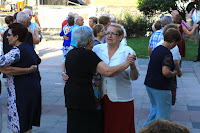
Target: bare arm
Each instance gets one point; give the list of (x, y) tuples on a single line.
[(167, 72), (2, 34), (36, 38), (17, 70), (187, 32), (134, 72), (177, 68), (65, 37), (149, 49), (108, 71)]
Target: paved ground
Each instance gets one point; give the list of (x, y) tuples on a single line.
[(186, 111)]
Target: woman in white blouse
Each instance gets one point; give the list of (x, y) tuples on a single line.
[(117, 92)]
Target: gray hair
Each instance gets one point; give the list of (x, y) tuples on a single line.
[(113, 19), (29, 10), (70, 14), (82, 35), (22, 17), (166, 20), (174, 12), (75, 19)]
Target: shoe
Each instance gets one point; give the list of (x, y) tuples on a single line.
[(196, 60)]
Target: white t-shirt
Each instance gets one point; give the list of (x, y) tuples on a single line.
[(175, 51), (118, 88), (124, 41)]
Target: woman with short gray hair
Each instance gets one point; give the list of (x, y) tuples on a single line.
[(81, 64)]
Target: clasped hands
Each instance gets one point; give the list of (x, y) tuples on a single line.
[(131, 59)]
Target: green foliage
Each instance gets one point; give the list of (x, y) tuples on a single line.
[(136, 26), (140, 46), (151, 7)]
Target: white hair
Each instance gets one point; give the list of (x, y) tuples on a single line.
[(113, 19), (82, 35), (174, 12), (29, 10), (75, 19), (22, 16)]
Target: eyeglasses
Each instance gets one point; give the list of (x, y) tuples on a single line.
[(112, 34), (9, 34)]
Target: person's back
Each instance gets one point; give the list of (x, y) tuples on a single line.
[(80, 67)]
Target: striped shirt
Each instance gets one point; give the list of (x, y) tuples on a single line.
[(155, 38)]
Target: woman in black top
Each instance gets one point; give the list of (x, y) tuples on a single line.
[(81, 64), (159, 75)]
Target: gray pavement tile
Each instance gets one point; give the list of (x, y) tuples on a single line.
[(54, 110), (49, 130), (177, 115), (195, 130), (179, 107), (49, 121), (50, 101), (140, 125), (186, 124), (195, 116), (193, 108), (196, 125)]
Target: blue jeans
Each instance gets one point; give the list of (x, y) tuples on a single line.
[(161, 103)]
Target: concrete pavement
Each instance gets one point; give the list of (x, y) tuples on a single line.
[(54, 118)]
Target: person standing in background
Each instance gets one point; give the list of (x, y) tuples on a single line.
[(124, 41), (105, 20), (20, 5), (99, 33), (65, 22), (67, 39), (32, 26), (79, 21), (93, 21)]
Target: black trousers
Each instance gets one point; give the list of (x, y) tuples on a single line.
[(84, 121)]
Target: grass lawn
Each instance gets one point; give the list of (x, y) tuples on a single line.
[(140, 46)]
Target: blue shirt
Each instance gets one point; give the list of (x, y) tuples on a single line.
[(155, 38), (66, 29), (73, 43), (96, 42)]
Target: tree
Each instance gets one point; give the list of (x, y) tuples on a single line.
[(151, 7)]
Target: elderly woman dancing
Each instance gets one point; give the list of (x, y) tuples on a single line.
[(24, 90), (159, 76), (118, 100), (81, 64)]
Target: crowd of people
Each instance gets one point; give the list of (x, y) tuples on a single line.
[(98, 69), (111, 108)]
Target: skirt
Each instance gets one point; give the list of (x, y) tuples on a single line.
[(84, 121), (118, 116)]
